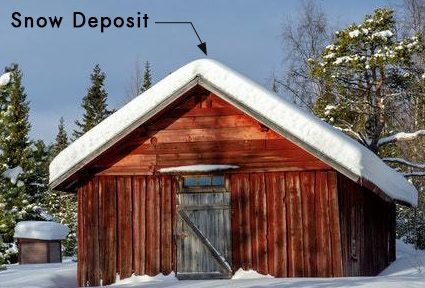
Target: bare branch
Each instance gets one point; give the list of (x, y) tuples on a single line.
[(404, 162), (401, 136)]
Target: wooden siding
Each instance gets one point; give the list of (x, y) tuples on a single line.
[(367, 229), (285, 208), (200, 129), (33, 251), (286, 223), (125, 226)]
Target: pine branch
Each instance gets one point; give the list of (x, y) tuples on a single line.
[(404, 162), (401, 136)]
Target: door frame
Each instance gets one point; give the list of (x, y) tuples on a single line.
[(181, 215)]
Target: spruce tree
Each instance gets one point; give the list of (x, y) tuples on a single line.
[(61, 138), (17, 167), (94, 103), (61, 205), (16, 145), (147, 78)]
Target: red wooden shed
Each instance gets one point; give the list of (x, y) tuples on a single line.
[(208, 172)]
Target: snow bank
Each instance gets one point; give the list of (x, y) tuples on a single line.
[(404, 272), (42, 230), (13, 173), (5, 79), (135, 279), (198, 168), (410, 261), (249, 274), (306, 130)]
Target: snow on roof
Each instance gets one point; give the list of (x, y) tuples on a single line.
[(306, 130), (198, 168), (42, 230), (5, 79)]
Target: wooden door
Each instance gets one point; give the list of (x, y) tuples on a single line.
[(203, 228)]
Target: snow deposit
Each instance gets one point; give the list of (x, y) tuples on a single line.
[(13, 174), (198, 168), (5, 79), (354, 33), (42, 230), (383, 34), (249, 274), (135, 279), (308, 131)]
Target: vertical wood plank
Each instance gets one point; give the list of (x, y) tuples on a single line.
[(281, 243), (262, 226), (307, 180), (322, 226), (125, 226), (294, 220), (235, 221), (157, 227), (138, 194), (81, 265), (334, 225), (271, 187), (392, 233), (107, 228), (174, 223), (94, 271), (150, 223), (166, 241), (246, 231), (254, 208)]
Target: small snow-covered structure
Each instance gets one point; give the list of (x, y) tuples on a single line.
[(40, 241), (208, 172)]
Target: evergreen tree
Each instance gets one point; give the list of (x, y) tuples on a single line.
[(94, 103), (61, 138), (17, 169), (147, 77), (16, 145), (61, 205)]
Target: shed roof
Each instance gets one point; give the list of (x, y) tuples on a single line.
[(41, 230), (306, 130)]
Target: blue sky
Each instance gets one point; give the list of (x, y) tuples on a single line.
[(244, 34)]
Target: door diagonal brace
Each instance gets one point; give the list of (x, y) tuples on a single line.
[(216, 255)]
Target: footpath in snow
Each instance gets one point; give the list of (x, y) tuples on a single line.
[(408, 271)]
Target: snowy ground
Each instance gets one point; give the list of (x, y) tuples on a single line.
[(407, 272), (59, 275)]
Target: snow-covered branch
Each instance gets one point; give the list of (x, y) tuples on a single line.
[(4, 79), (405, 162), (401, 136), (414, 174), (350, 131)]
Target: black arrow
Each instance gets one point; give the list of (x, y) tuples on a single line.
[(202, 46)]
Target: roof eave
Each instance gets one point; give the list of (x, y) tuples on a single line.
[(167, 101)]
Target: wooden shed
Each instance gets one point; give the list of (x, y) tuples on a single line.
[(40, 241), (208, 172)]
